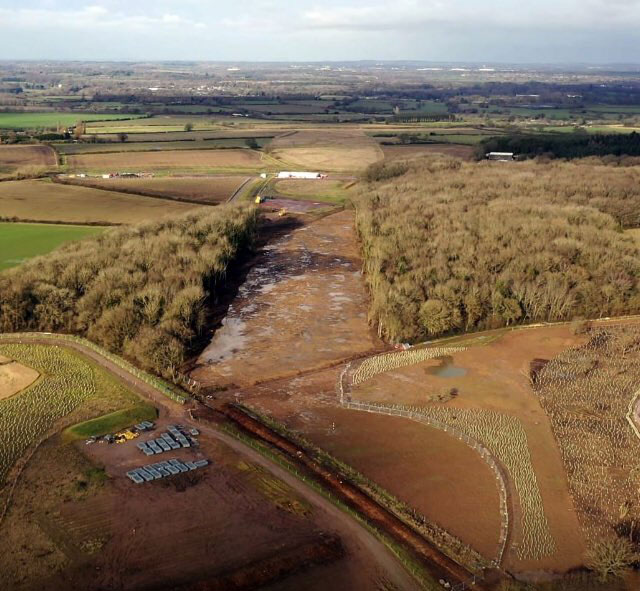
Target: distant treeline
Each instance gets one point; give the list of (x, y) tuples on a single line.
[(141, 291), (451, 246), (563, 145)]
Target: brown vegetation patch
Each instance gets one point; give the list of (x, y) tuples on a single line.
[(166, 160), (139, 290), (404, 152), (14, 377), (327, 150), (588, 393), (13, 157), (52, 202), (454, 246)]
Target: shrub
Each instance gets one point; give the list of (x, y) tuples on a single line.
[(381, 171), (611, 558)]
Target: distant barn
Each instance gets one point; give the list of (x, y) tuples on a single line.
[(501, 156)]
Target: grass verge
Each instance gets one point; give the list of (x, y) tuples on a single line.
[(109, 423)]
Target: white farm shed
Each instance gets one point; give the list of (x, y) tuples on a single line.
[(301, 175)]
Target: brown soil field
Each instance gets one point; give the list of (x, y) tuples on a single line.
[(50, 202), (497, 379), (230, 515), (14, 377), (13, 157), (300, 307), (327, 150), (167, 160), (442, 478), (209, 190), (404, 152)]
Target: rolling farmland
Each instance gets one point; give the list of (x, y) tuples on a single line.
[(33, 120), (16, 157), (190, 160), (207, 190), (53, 202)]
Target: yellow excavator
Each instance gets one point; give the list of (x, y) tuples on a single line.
[(282, 212)]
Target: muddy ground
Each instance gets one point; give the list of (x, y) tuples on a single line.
[(231, 523), (303, 306)]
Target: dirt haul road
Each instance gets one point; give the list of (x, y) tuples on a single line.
[(359, 543)]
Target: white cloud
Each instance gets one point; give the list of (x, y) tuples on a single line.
[(413, 14), (89, 18)]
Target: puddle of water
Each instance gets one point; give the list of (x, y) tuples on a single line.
[(447, 369), (229, 339)]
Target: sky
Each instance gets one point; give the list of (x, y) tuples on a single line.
[(510, 31)]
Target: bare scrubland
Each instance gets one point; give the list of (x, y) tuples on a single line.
[(454, 246), (140, 290)]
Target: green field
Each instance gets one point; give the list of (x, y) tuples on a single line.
[(52, 120), (19, 242), (112, 422)]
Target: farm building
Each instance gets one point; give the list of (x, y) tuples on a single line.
[(301, 175), (502, 156)]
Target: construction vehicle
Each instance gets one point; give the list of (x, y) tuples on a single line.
[(260, 199), (282, 212)]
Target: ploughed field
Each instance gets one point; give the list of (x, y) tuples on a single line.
[(46, 201), (202, 160), (16, 157), (207, 190)]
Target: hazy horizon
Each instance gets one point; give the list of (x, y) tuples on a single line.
[(562, 32)]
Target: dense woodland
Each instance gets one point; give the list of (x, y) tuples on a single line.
[(452, 246), (141, 291), (579, 144)]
